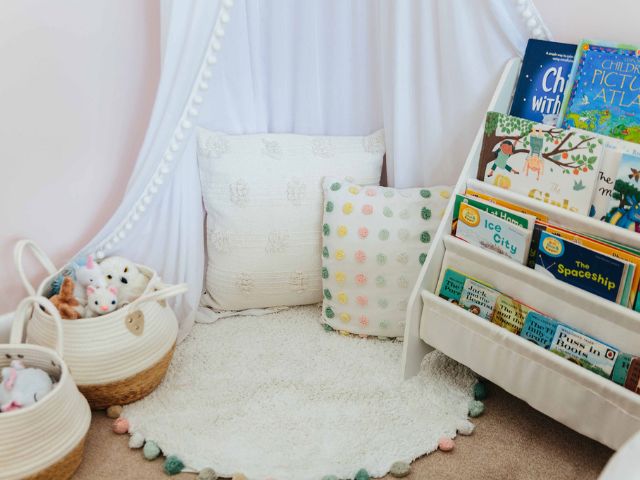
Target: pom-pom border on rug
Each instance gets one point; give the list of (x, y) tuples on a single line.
[(277, 396)]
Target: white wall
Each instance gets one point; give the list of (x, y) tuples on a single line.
[(77, 80), (572, 20)]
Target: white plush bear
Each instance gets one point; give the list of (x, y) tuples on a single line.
[(124, 275), (86, 273), (101, 300), (22, 387)]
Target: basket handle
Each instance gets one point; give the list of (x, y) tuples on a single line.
[(45, 261), (17, 330), (165, 292)]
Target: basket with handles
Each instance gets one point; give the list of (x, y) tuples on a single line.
[(43, 441), (116, 358)]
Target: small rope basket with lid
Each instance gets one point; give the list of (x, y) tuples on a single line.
[(117, 358), (43, 441)]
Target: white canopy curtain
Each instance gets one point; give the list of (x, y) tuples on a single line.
[(422, 69)]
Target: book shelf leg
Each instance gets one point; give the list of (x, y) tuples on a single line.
[(414, 349)]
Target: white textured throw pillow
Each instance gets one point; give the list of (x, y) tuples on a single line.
[(375, 242), (263, 197)]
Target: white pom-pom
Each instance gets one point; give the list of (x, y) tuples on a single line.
[(531, 23), (527, 13), (466, 427), (136, 440), (100, 254)]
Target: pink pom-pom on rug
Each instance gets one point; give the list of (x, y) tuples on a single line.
[(446, 444), (120, 426)]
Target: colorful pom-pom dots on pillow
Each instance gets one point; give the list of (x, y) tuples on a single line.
[(375, 240)]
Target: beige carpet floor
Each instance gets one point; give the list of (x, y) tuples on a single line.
[(511, 442)]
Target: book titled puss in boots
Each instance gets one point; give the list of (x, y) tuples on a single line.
[(546, 163)]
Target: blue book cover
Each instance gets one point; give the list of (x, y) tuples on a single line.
[(581, 267), (539, 329), (602, 95), (544, 74)]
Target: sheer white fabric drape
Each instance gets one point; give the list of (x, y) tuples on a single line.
[(422, 69)]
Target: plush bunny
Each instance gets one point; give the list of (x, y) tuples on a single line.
[(86, 273), (101, 300), (125, 275), (22, 387)]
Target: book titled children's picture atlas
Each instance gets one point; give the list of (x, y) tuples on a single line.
[(603, 94), (546, 163), (581, 267), (543, 77)]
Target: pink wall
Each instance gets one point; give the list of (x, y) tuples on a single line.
[(77, 85), (76, 89)]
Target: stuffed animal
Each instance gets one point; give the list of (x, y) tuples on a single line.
[(101, 300), (86, 273), (66, 302), (22, 387), (126, 276)]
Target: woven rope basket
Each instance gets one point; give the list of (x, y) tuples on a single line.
[(44, 440), (116, 358)]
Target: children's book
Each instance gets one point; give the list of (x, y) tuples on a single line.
[(451, 284), (478, 298), (485, 230), (475, 189), (581, 267), (543, 77), (584, 350), (621, 368), (633, 376), (607, 173), (632, 280), (539, 329), (509, 314), (522, 220), (545, 163), (624, 209), (603, 91)]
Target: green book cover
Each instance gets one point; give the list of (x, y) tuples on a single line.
[(508, 215)]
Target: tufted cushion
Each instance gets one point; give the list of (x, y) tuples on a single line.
[(375, 241), (263, 197)]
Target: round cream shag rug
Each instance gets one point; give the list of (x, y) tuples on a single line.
[(278, 397)]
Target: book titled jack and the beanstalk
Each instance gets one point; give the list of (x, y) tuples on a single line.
[(603, 94), (546, 163)]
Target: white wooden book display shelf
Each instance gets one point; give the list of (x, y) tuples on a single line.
[(580, 399)]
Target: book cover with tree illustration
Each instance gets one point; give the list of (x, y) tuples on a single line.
[(602, 95), (546, 163), (624, 209)]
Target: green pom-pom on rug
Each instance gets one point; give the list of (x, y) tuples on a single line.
[(400, 469), (327, 327), (476, 408), (151, 450), (173, 465), (480, 391), (362, 475)]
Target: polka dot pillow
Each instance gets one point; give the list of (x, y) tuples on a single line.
[(375, 240)]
